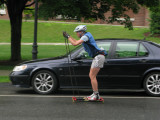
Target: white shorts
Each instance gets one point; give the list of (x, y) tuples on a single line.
[(98, 61)]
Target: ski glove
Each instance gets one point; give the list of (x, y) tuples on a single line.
[(66, 35)]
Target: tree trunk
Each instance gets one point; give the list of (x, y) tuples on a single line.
[(15, 9), (16, 23)]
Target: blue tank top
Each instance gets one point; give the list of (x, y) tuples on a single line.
[(90, 46)]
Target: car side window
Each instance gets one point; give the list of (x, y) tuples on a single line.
[(104, 46), (101, 45), (142, 51), (84, 54), (126, 49)]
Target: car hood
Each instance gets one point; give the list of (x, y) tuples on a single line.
[(60, 59)]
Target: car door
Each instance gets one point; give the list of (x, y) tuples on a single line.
[(82, 67), (127, 63)]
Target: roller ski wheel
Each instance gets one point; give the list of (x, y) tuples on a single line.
[(74, 99)]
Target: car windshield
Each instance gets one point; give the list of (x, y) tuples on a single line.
[(101, 45), (72, 51)]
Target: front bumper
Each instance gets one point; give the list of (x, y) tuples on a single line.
[(20, 80)]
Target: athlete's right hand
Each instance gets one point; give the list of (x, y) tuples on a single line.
[(66, 35)]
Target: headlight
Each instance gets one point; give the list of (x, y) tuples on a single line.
[(20, 68)]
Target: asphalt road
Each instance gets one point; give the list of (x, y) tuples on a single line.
[(24, 104)]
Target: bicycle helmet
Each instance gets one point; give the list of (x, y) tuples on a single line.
[(80, 28)]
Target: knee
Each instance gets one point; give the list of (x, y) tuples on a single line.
[(91, 76)]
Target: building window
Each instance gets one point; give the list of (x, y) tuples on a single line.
[(2, 9)]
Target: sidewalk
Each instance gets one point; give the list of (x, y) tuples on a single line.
[(5, 72)]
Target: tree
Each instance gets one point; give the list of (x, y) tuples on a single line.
[(155, 20), (93, 9), (15, 10), (70, 8)]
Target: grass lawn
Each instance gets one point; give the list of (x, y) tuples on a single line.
[(4, 67), (52, 32), (4, 79), (44, 51)]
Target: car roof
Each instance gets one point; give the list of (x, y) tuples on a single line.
[(121, 39), (125, 39)]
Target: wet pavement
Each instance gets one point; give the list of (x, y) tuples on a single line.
[(25, 104)]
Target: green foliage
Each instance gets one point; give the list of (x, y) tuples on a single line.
[(155, 20), (29, 12), (93, 9), (148, 3), (1, 2), (2, 6), (68, 9)]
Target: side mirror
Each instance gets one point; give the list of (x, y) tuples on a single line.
[(79, 57), (76, 58)]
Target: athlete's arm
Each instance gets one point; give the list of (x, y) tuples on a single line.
[(75, 42)]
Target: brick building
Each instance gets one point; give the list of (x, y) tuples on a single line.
[(140, 19)]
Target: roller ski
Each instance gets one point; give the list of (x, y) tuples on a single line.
[(84, 99), (92, 98)]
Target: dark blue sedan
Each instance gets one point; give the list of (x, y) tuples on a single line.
[(130, 64)]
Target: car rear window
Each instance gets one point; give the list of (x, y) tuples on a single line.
[(130, 49), (142, 51)]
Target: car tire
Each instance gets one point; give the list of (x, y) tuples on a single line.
[(152, 84), (44, 82)]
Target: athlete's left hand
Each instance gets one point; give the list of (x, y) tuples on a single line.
[(66, 35)]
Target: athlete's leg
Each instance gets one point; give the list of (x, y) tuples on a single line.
[(97, 63), (93, 73)]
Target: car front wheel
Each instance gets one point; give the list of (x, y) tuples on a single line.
[(44, 82), (152, 84)]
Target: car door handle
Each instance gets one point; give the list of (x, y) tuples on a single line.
[(143, 60)]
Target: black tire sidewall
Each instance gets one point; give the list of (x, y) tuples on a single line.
[(145, 87), (54, 82)]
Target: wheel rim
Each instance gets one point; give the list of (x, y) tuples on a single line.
[(153, 84), (43, 82)]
